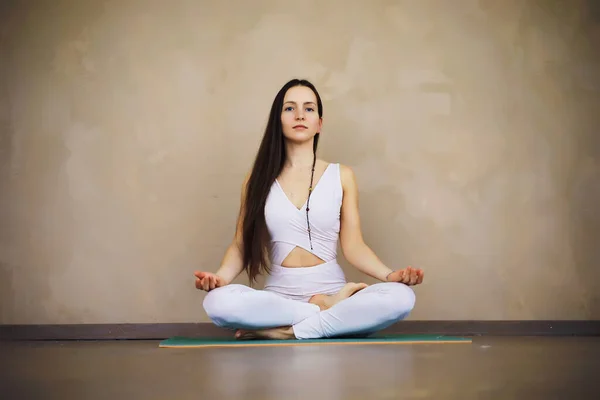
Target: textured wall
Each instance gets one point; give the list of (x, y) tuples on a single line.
[(127, 126)]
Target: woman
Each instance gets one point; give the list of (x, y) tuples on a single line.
[(293, 209)]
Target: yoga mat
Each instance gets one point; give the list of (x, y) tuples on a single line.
[(192, 342)]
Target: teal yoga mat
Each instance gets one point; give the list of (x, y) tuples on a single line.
[(192, 342)]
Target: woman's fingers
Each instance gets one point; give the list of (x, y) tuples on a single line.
[(409, 276), (402, 276), (412, 273), (414, 277), (206, 281)]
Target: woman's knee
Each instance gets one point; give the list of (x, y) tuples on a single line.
[(222, 303), (399, 299)]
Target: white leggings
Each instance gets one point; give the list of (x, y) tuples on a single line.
[(284, 302)]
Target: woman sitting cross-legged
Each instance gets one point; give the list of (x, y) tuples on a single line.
[(294, 207)]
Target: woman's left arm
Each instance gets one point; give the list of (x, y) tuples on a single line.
[(355, 250)]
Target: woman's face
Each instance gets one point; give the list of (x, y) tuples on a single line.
[(300, 116)]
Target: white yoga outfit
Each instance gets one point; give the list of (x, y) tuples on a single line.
[(284, 299)]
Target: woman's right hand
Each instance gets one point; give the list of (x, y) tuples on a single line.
[(208, 281)]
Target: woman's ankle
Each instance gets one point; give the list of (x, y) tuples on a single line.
[(319, 300)]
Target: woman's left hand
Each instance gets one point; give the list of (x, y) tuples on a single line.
[(409, 276)]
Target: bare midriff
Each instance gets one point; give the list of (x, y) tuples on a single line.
[(300, 258)]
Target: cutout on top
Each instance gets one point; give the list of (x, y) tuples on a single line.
[(300, 257)]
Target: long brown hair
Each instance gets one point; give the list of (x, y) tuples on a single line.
[(267, 166)]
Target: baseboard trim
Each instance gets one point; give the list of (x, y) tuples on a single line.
[(161, 331)]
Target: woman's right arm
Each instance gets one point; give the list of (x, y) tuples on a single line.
[(232, 263)]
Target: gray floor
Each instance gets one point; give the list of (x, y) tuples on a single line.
[(489, 368)]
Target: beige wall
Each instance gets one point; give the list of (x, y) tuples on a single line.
[(127, 126)]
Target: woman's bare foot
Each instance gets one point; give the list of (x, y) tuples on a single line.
[(282, 333), (324, 301)]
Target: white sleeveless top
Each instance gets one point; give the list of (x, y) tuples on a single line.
[(288, 226)]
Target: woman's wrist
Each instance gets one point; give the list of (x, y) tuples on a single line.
[(387, 276)]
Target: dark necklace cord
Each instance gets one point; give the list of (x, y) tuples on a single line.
[(310, 189)]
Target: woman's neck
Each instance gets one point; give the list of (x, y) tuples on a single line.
[(299, 155)]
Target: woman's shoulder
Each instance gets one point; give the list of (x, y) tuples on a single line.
[(346, 172), (327, 163)]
